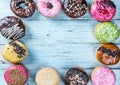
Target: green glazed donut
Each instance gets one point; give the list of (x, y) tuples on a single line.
[(106, 32)]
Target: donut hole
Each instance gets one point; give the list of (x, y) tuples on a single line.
[(49, 5), (22, 5)]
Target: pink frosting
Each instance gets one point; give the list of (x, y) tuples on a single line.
[(49, 12), (102, 11), (103, 76), (16, 75)]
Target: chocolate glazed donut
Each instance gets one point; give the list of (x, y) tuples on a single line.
[(21, 11), (12, 28), (76, 76), (75, 8)]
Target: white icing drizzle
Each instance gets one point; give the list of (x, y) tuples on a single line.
[(13, 32)]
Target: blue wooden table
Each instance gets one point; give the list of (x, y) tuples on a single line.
[(60, 43)]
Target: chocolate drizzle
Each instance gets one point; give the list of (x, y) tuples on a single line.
[(104, 4), (75, 8), (109, 3), (76, 76), (18, 49), (12, 27), (109, 52)]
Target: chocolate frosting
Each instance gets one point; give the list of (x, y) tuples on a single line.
[(108, 3), (104, 4), (109, 52), (12, 28), (18, 49), (21, 12), (76, 76), (75, 8)]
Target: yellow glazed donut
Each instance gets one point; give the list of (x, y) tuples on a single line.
[(14, 52)]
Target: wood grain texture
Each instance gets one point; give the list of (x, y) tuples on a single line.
[(60, 42)]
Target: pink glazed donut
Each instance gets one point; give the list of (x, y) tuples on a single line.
[(103, 76), (103, 10), (16, 75), (49, 8)]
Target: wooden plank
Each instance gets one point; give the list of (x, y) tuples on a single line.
[(60, 42), (61, 56), (74, 32)]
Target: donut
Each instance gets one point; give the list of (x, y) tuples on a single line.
[(49, 8), (106, 32), (12, 28), (23, 11), (16, 75), (108, 54), (47, 76), (75, 8), (103, 76), (76, 76), (103, 10), (14, 52)]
